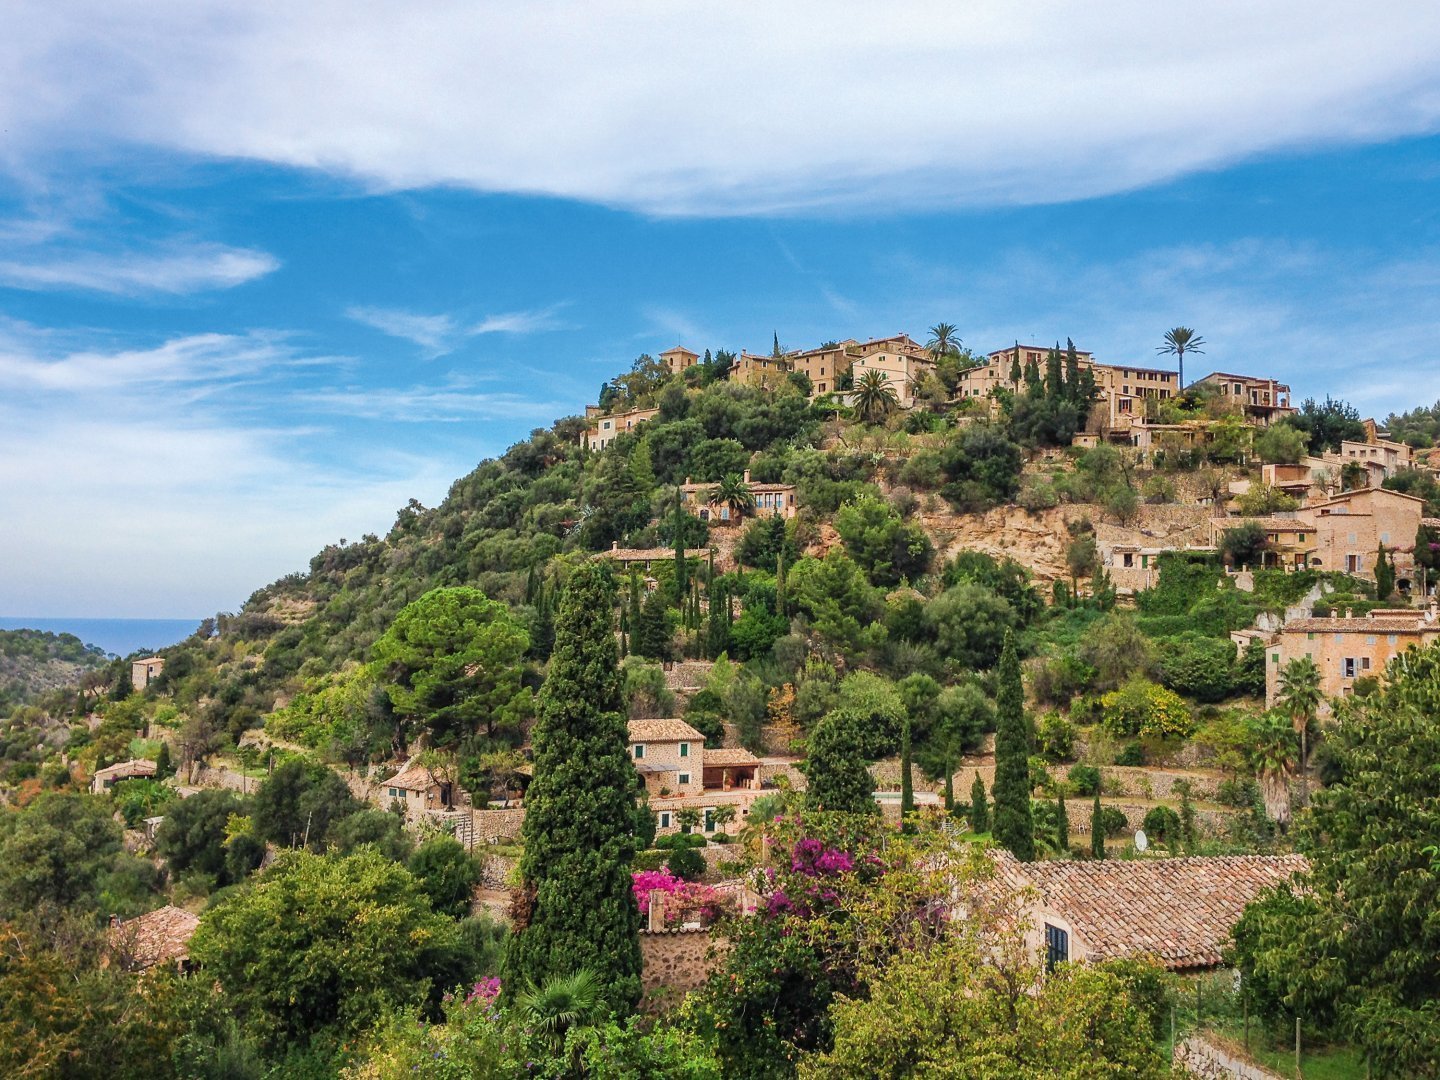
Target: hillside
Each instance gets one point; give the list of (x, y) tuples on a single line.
[(36, 662)]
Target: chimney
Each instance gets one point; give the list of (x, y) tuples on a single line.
[(614, 545), (1348, 612), (747, 476)]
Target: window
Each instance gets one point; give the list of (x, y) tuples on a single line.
[(639, 750), (709, 820), (684, 749), (394, 793), (1364, 663), (683, 778), (1347, 667), (1057, 946), (1274, 658), (664, 819), (1391, 639), (1352, 562)]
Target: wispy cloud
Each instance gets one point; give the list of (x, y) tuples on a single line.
[(427, 404), (443, 333), (635, 115), (175, 267)]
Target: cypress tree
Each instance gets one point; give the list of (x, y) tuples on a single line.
[(718, 634), (1072, 372), (681, 577), (575, 908), (1014, 826), (1384, 575), (1054, 387), (907, 787), (780, 584), (979, 811), (651, 635), (836, 770), (163, 767), (1062, 824), (1097, 830)]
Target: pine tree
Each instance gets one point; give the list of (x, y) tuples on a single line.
[(979, 811), (1097, 829), (907, 786), (651, 636), (1014, 826), (575, 909), (1062, 824)]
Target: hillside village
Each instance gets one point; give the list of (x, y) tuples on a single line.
[(869, 576)]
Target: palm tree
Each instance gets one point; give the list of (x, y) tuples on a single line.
[(1177, 343), (563, 1003), (734, 492), (1300, 697), (1273, 756), (943, 340), (873, 396)]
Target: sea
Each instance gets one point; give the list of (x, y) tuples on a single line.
[(119, 637)]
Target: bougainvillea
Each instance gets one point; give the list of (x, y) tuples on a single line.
[(682, 896)]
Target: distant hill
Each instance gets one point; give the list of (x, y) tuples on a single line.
[(33, 662)]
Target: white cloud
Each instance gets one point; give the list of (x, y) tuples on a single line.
[(440, 334), (724, 108), (175, 268), (426, 404)]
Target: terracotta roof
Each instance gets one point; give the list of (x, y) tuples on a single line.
[(673, 730), (730, 756), (413, 777), (161, 936), (133, 767), (1180, 910), (1269, 523), (1412, 624)]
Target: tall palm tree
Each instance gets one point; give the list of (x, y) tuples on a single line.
[(944, 339), (873, 396), (1300, 699), (1273, 755), (561, 1004), (1178, 342), (734, 492)]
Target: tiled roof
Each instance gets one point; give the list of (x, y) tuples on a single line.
[(673, 730), (1412, 624), (730, 756), (134, 767), (1180, 910), (161, 936), (1275, 524), (413, 777)]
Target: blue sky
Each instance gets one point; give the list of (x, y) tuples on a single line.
[(266, 273)]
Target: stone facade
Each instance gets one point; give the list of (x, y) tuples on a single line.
[(492, 826), (674, 962)]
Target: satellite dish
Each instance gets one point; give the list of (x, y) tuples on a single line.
[(1141, 840)]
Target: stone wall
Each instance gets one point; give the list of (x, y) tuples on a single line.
[(492, 825), (495, 870), (1197, 1057), (674, 962)]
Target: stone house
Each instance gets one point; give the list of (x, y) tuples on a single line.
[(419, 790), (902, 361), (1261, 401), (668, 754), (158, 937), (106, 778), (1351, 526), (771, 500), (1292, 539), (1386, 456), (750, 369), (1346, 648), (1179, 910), (603, 428), (144, 672), (824, 365), (643, 559)]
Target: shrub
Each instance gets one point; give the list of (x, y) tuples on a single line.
[(1056, 737), (1131, 754), (1113, 821), (687, 863), (1162, 825), (1142, 708), (1083, 779)]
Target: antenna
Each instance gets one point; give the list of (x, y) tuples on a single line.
[(1141, 840)]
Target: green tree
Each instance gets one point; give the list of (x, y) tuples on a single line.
[(576, 907), (1062, 824), (54, 852), (969, 624), (1384, 575), (450, 663), (836, 764), (298, 804), (651, 636), (734, 492), (1013, 826), (840, 604), (327, 943), (1244, 545), (907, 783), (1097, 828), (1178, 342), (447, 874), (873, 396), (961, 714), (1281, 444), (979, 810), (1354, 943), (882, 543), (944, 340), (193, 834)]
